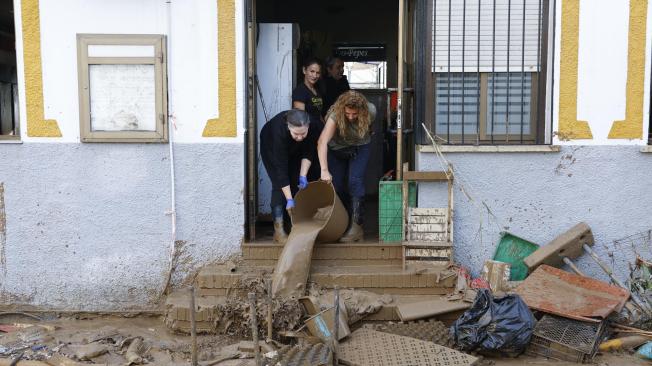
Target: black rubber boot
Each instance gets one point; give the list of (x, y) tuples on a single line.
[(355, 231)]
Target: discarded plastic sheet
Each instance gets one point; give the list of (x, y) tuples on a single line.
[(429, 308), (318, 215), (495, 324), (554, 291), (369, 347)]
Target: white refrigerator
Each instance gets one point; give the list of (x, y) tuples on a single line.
[(276, 67)]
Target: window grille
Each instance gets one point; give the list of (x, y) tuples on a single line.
[(481, 70)]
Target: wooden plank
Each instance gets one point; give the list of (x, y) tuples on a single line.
[(425, 176)]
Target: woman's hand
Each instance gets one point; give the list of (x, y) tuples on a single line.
[(326, 176)]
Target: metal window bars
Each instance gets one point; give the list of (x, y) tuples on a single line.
[(486, 63)]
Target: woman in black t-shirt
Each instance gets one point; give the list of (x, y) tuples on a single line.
[(306, 97)]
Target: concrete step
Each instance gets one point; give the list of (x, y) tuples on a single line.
[(177, 311), (353, 254), (220, 280)]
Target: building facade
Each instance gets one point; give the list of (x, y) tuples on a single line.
[(97, 221)]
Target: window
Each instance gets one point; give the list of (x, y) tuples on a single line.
[(9, 121), (122, 87), (366, 75), (365, 65), (481, 64)]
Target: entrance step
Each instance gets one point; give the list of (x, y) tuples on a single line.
[(221, 280), (341, 254), (177, 311)]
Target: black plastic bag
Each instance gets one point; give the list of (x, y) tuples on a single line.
[(491, 325)]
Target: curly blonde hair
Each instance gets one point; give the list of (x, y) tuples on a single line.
[(354, 100)]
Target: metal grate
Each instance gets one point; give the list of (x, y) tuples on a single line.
[(565, 339)]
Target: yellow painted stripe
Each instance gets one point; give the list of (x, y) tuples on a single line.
[(37, 125), (632, 126), (225, 125), (569, 126)]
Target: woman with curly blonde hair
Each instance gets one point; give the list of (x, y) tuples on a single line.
[(343, 148)]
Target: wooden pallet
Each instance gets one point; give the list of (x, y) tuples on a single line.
[(428, 232)]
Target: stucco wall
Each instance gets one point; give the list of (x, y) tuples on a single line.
[(540, 195), (87, 225)]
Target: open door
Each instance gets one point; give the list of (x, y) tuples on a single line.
[(251, 178)]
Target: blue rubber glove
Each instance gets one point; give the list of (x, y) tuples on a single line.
[(290, 204), (303, 182)]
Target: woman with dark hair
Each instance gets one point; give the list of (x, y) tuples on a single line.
[(306, 96), (334, 83), (287, 145), (343, 148)]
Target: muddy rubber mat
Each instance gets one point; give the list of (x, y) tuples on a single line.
[(315, 355), (369, 347), (429, 331)]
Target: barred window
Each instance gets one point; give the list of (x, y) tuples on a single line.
[(483, 62)]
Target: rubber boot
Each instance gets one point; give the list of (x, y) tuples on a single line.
[(280, 236), (355, 231)]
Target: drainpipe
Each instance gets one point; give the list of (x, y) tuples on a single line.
[(171, 128)]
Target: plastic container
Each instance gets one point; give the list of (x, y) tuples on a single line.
[(390, 209), (513, 249), (318, 195)]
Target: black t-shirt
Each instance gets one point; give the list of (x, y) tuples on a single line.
[(278, 149), (314, 102)]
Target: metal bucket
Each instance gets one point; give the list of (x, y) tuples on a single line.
[(321, 195)]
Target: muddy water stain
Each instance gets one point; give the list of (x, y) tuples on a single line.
[(318, 216)]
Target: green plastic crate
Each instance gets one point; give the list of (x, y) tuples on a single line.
[(390, 209), (512, 249)]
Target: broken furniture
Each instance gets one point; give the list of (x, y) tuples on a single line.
[(558, 292), (562, 249), (429, 308), (565, 339), (428, 232)]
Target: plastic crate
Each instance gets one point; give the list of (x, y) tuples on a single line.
[(512, 249), (390, 209)]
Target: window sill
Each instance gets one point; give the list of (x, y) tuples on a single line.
[(492, 148), (10, 140), (646, 149)]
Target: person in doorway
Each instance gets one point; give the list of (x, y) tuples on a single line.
[(287, 148), (343, 149), (334, 83), (306, 97)]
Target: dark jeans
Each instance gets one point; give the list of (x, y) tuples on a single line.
[(352, 165), (278, 198)]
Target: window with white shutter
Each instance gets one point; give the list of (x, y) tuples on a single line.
[(481, 70)]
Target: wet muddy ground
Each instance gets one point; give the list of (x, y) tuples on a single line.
[(68, 335)]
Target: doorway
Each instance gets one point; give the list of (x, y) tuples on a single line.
[(284, 33)]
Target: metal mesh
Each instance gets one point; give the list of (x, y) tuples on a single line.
[(639, 243), (565, 339)]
